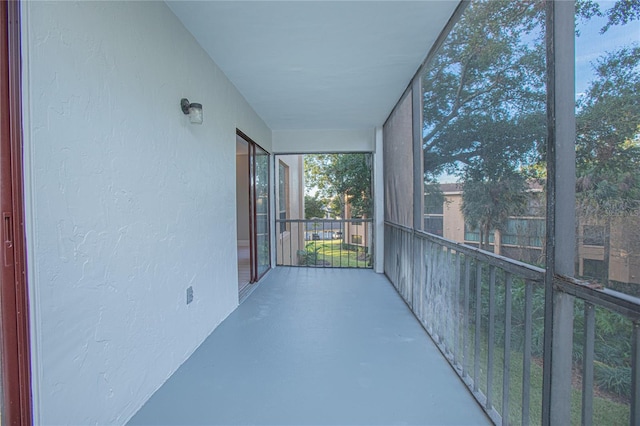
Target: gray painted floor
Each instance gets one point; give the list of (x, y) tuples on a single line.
[(316, 347)]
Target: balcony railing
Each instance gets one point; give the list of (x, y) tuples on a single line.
[(486, 314), (324, 243)]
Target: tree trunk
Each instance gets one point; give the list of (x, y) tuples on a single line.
[(486, 237)]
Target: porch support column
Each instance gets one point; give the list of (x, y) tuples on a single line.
[(561, 242), (418, 174), (419, 257), (378, 202)]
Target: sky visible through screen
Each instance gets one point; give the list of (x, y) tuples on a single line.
[(590, 45)]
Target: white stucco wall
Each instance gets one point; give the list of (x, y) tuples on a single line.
[(315, 141), (128, 204)]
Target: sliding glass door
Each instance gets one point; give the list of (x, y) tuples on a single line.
[(259, 198), (256, 185)]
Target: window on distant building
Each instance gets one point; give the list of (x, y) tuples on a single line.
[(593, 269), (434, 203), (356, 239), (433, 211), (473, 235), (434, 224), (524, 232), (593, 235)]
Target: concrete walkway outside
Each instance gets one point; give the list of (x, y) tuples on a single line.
[(316, 347)]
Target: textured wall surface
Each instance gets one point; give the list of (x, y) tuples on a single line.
[(128, 203)]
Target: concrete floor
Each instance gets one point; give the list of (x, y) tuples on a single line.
[(316, 347)]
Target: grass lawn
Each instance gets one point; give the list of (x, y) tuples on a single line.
[(606, 411), (332, 253)]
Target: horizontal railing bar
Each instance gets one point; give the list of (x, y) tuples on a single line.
[(324, 220), (400, 227), (520, 269), (621, 303), (326, 267), (294, 230)]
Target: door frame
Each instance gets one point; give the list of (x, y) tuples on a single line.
[(253, 146), (16, 365)]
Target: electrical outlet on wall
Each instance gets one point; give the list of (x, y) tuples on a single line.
[(189, 294)]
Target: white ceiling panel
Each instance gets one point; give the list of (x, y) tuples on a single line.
[(317, 64)]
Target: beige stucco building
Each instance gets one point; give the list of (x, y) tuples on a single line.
[(523, 236), (290, 205)]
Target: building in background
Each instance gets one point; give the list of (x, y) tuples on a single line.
[(523, 237), (290, 204)]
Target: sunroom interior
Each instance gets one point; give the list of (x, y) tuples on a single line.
[(132, 213)]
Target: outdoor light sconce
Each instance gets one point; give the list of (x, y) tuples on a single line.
[(193, 110)]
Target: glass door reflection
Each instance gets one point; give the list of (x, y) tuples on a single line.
[(261, 197), (259, 228)]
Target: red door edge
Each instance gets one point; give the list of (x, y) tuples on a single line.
[(16, 363)]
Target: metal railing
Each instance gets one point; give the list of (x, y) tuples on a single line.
[(324, 243), (486, 314)]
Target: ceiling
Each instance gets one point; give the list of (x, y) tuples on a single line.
[(317, 64)]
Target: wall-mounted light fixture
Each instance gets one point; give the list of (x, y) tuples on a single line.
[(193, 110)]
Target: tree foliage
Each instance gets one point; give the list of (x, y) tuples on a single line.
[(484, 73), (608, 151), (622, 12), (313, 207), (488, 203), (484, 97), (341, 177), (608, 135)]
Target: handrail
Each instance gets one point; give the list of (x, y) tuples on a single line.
[(324, 220), (300, 243), (525, 270), (621, 303)]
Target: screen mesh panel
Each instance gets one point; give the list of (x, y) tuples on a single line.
[(398, 164)]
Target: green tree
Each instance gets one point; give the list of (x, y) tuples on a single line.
[(608, 131), (341, 177), (607, 138), (336, 205), (622, 12), (313, 207), (490, 198), (608, 145), (485, 111)]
